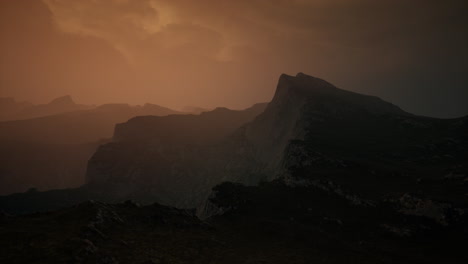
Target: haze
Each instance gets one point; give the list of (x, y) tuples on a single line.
[(211, 53)]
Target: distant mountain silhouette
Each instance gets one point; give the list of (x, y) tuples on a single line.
[(52, 151), (62, 101), (25, 110), (195, 110), (75, 127)]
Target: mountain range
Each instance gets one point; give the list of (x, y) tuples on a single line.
[(319, 174), (310, 131), (13, 110)]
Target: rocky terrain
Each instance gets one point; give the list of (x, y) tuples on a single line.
[(319, 175), (270, 223)]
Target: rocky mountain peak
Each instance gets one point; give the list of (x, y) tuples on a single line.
[(299, 101), (301, 88), (304, 84)]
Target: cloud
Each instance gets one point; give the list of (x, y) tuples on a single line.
[(207, 49), (103, 18), (260, 23)]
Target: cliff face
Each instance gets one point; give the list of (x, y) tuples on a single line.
[(299, 104)]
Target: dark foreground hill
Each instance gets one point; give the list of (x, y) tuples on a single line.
[(272, 223)]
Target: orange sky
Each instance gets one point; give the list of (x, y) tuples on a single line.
[(230, 53)]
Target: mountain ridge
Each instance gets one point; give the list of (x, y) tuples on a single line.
[(308, 119)]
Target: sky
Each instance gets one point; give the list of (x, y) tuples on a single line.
[(212, 53)]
